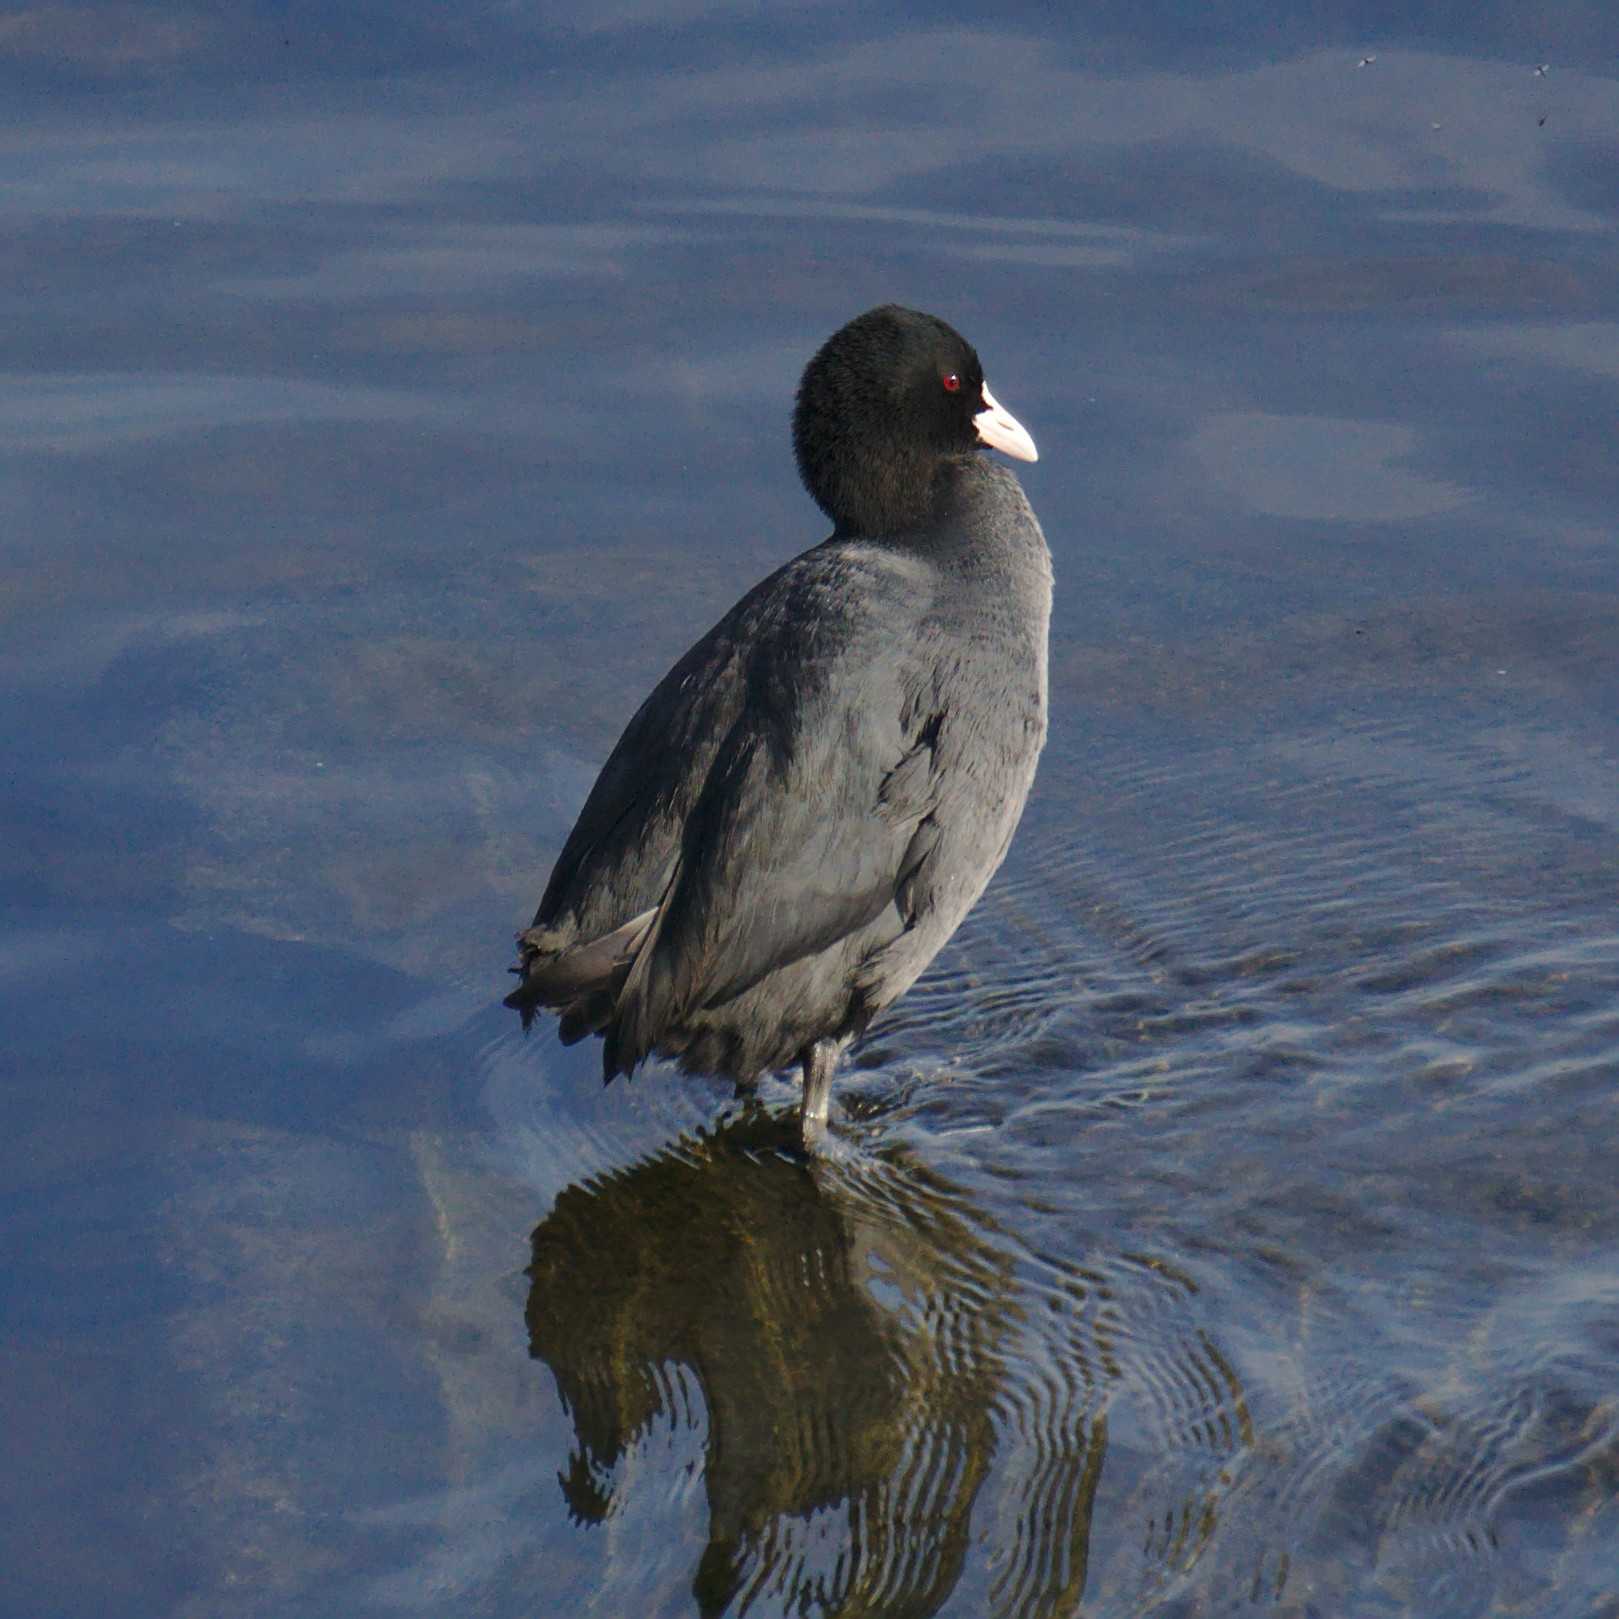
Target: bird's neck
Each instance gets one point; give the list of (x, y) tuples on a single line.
[(903, 500)]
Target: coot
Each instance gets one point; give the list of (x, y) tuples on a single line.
[(811, 800)]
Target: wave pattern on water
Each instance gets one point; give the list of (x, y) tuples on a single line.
[(880, 1368), (1221, 1224), (1330, 1016)]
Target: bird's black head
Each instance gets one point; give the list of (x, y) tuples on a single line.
[(886, 402)]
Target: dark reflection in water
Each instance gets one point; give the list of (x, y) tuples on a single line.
[(849, 1329)]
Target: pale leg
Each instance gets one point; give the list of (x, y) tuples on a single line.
[(818, 1061)]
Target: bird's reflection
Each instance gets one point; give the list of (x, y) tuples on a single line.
[(849, 1327)]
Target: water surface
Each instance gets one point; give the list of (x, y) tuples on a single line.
[(1225, 1223)]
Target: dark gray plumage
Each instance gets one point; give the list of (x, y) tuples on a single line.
[(811, 800)]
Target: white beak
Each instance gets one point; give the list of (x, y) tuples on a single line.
[(1001, 430)]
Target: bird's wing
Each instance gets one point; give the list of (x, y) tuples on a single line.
[(617, 860), (812, 819)]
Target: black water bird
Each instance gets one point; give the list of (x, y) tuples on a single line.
[(813, 798)]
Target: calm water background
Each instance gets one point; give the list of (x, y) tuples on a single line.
[(1228, 1222)]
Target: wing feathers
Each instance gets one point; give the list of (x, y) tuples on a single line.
[(771, 806)]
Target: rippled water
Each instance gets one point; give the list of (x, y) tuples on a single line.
[(1228, 1220), (1226, 1223)]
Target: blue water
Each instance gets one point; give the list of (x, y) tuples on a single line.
[(1225, 1223)]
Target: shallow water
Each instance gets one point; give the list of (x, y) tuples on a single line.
[(1225, 1223)]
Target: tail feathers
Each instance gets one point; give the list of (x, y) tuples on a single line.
[(644, 1017), (588, 1015), (581, 982)]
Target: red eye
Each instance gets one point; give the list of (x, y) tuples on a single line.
[(952, 383)]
